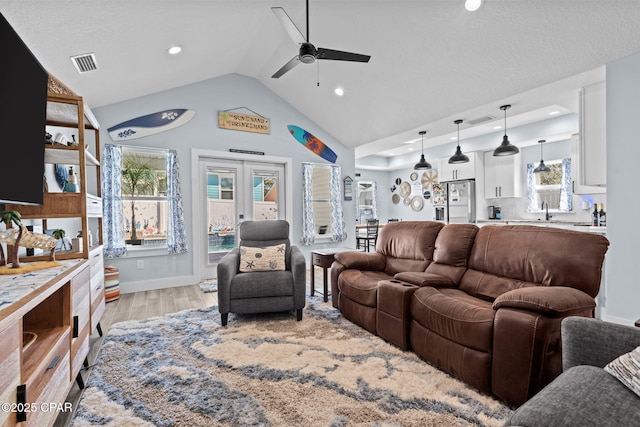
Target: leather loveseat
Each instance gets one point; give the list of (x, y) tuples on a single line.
[(484, 304)]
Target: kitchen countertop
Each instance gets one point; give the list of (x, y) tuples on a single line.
[(573, 225)]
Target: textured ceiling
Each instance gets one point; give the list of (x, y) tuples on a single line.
[(431, 61)]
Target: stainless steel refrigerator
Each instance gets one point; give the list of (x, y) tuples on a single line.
[(454, 202)]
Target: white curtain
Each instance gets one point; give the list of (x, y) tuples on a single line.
[(308, 227), (112, 210), (176, 236), (339, 234)]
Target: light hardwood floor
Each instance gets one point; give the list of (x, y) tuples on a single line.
[(146, 304)]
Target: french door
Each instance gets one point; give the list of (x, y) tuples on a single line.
[(233, 191)]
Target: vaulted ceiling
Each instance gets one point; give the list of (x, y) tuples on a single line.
[(431, 61)]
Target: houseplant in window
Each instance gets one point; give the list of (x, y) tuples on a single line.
[(138, 179)]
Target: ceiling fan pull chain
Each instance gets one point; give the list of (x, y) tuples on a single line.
[(318, 83)]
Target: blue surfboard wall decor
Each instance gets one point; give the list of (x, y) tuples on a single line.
[(150, 124), (312, 143)]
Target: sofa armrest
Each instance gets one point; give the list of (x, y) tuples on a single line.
[(550, 301), (299, 273), (371, 261), (587, 341), (227, 269), (422, 278)]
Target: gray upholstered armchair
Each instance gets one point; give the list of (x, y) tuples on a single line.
[(265, 274)]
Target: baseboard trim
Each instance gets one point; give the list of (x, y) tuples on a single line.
[(149, 285)]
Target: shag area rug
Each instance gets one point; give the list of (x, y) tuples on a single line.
[(210, 285), (184, 369)]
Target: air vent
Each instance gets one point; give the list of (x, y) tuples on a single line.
[(480, 120), (85, 62)]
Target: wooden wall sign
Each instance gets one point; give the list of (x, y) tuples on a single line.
[(243, 122)]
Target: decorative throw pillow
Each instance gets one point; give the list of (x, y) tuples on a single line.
[(626, 368), (269, 258)]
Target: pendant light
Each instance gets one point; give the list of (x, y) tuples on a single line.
[(506, 148), (458, 157), (541, 167), (422, 164)]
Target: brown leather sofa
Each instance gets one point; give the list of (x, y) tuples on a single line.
[(488, 304)]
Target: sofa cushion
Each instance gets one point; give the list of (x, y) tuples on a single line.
[(533, 255), (361, 286), (253, 285), (455, 315), (422, 278), (408, 245), (452, 251), (626, 368), (581, 396)]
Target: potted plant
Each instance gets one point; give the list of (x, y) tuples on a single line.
[(59, 235), (138, 178), (9, 217)]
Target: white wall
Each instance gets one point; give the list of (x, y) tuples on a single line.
[(206, 98), (623, 152)]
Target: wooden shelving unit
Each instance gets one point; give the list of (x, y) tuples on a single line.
[(68, 110), (65, 309)]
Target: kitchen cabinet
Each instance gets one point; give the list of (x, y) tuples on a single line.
[(502, 176), (589, 146), (458, 171)]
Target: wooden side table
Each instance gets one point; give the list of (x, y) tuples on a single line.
[(323, 258)]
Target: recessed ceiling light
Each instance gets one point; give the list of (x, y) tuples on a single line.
[(174, 50), (453, 138), (497, 127), (339, 91), (472, 5), (553, 113)]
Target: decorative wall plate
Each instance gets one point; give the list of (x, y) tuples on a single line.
[(417, 203), (406, 201), (426, 194), (405, 189), (429, 178), (414, 176), (395, 198), (398, 181)]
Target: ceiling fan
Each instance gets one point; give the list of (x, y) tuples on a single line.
[(308, 53)]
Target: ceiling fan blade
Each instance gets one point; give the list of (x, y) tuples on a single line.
[(286, 67), (338, 55), (289, 26)]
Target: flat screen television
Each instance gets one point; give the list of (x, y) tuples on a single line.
[(23, 115)]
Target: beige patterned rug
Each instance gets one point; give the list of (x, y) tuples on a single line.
[(184, 369)]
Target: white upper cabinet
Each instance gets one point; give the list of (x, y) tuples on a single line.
[(458, 171), (589, 146), (502, 176)]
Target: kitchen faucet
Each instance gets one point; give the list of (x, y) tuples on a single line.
[(545, 204)]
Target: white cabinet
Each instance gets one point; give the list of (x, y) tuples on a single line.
[(589, 146), (457, 171), (502, 176)]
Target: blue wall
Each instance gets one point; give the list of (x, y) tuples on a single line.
[(206, 98)]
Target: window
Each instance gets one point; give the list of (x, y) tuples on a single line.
[(141, 196), (144, 196), (552, 187), (322, 203)]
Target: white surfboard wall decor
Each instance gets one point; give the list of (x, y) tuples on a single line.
[(150, 124)]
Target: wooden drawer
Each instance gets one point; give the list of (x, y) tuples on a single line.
[(80, 320), (10, 369), (94, 206), (51, 383)]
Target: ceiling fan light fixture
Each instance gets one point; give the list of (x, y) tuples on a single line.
[(307, 53), (472, 5), (458, 157), (505, 148), (422, 164), (542, 168)]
